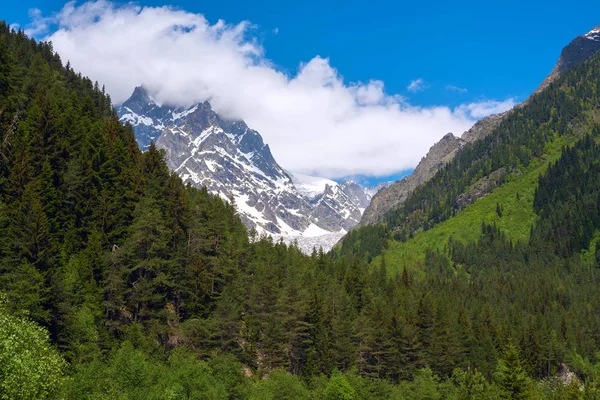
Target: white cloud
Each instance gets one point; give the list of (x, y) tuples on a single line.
[(458, 89), (314, 121), (276, 31), (484, 108), (40, 24), (417, 85)]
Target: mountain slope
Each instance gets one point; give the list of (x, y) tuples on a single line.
[(579, 50), (232, 161), (517, 216), (561, 113)]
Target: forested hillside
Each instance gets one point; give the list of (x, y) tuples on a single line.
[(118, 281), (563, 112)]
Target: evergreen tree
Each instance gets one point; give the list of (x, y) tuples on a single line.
[(511, 377)]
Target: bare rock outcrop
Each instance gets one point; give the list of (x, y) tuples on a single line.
[(480, 188), (483, 127)]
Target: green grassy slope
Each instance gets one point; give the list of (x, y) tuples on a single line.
[(516, 221)]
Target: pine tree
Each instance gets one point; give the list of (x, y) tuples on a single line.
[(511, 377), (146, 257)]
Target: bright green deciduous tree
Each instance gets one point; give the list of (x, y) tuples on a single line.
[(338, 388), (30, 368)]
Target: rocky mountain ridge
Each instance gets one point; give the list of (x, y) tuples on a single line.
[(579, 50), (397, 193)]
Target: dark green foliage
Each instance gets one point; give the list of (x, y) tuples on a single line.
[(568, 198), (96, 236), (366, 242), (511, 377)]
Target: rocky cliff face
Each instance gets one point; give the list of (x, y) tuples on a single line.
[(339, 205), (232, 161), (147, 116), (397, 193), (480, 189), (579, 50), (483, 127)]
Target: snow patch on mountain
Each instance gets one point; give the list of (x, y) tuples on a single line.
[(309, 243), (310, 186), (594, 34)]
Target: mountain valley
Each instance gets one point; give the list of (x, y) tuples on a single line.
[(149, 251)]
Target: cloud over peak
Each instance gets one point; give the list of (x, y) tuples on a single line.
[(314, 121)]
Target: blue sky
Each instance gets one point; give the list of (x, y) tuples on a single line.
[(493, 51), (483, 50)]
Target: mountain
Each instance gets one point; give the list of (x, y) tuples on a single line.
[(231, 160), (146, 115), (579, 50), (490, 161), (347, 200), (310, 186)]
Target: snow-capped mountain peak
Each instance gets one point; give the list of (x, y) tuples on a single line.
[(594, 34), (232, 161), (149, 117)]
